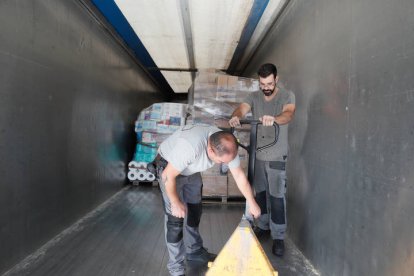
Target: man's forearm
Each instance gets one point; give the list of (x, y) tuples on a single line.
[(171, 189), (237, 113), (241, 110), (243, 184), (284, 118), (247, 191)]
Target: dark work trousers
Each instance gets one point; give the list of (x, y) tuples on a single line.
[(182, 235), (270, 186)]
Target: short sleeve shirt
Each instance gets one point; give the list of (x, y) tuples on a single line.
[(186, 149), (266, 134)]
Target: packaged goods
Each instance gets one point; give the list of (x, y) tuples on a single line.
[(153, 125), (216, 95)]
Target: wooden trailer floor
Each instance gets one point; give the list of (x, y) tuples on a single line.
[(125, 236)]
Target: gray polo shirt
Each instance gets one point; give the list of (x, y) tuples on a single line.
[(186, 149), (266, 134)]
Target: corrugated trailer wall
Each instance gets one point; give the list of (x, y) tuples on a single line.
[(351, 177), (69, 95)]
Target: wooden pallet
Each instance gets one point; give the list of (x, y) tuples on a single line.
[(136, 183), (224, 199)]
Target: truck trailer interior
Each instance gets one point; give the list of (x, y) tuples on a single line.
[(75, 74)]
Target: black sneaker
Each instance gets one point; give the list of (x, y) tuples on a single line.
[(202, 255), (259, 232), (278, 247)]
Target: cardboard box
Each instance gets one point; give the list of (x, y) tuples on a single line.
[(214, 185), (215, 170), (233, 190), (218, 95)]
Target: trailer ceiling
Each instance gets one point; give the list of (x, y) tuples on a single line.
[(175, 38)]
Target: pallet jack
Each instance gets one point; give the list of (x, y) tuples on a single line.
[(243, 255)]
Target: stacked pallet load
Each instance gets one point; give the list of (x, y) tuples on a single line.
[(153, 125), (212, 100)]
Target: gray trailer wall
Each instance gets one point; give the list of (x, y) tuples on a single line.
[(351, 167), (69, 96)]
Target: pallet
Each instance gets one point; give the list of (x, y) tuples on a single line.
[(147, 183), (223, 199)]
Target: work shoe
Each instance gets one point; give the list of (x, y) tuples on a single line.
[(202, 255), (278, 247), (259, 232)]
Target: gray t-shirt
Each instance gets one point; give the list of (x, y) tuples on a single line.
[(186, 149), (266, 134)]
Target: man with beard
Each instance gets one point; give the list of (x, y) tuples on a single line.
[(271, 104)]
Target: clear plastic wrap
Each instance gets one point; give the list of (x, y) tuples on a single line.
[(216, 95), (155, 124)]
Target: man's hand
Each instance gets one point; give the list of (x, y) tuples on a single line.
[(234, 121), (178, 209), (254, 209), (267, 120)]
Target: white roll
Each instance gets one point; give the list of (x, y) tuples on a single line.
[(141, 175), (142, 165), (133, 165), (132, 175), (150, 176)]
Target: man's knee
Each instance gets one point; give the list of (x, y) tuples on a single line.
[(277, 205), (194, 214), (174, 229)]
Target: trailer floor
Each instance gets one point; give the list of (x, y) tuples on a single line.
[(125, 236)]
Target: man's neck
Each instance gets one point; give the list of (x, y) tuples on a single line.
[(270, 97)]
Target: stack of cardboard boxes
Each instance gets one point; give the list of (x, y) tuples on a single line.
[(214, 97), (212, 100), (243, 138), (214, 182), (161, 118), (218, 181)]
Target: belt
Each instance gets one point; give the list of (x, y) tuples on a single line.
[(158, 163)]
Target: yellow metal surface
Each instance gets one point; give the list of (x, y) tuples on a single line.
[(242, 256)]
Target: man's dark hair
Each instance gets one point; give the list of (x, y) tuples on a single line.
[(266, 70), (223, 142)]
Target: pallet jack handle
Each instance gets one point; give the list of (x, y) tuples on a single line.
[(252, 148)]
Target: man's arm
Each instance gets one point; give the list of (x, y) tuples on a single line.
[(245, 188), (239, 113), (168, 177), (283, 118)]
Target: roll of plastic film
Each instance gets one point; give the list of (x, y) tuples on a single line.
[(132, 175), (141, 175), (133, 165), (142, 165), (150, 177)]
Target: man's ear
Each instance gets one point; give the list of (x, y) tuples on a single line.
[(276, 79), (209, 149)]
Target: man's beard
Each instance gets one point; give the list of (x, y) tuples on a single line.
[(268, 92)]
